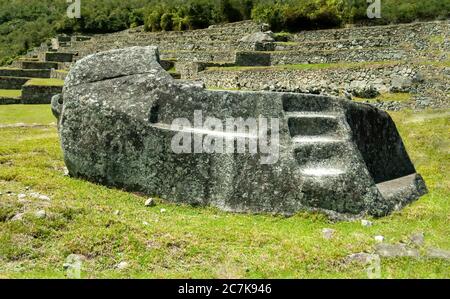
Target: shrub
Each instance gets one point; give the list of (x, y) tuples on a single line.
[(153, 21), (282, 36), (166, 22)]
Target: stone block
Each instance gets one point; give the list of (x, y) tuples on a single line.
[(116, 121)]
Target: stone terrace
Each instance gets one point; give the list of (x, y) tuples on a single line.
[(34, 79), (360, 61)]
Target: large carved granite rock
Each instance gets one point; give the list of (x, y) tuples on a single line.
[(115, 119)]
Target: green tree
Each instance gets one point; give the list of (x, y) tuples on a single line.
[(166, 22), (228, 12)]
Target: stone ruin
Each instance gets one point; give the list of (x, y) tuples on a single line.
[(335, 156)]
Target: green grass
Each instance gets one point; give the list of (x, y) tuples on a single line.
[(443, 63), (172, 70), (388, 97), (221, 88), (45, 82), (27, 114), (287, 43), (10, 93), (201, 242), (437, 39)]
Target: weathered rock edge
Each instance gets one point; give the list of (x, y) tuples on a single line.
[(336, 156)]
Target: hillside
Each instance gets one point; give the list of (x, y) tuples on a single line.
[(27, 23)]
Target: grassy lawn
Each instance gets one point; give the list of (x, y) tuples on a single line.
[(27, 114), (45, 82), (109, 226), (10, 93)]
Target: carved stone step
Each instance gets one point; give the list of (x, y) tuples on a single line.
[(320, 151), (310, 103), (301, 124)]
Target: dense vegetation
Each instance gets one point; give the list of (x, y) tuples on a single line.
[(26, 23)]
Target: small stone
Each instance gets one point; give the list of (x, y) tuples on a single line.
[(145, 223), (150, 202), (116, 212), (163, 210), (395, 250), (362, 257), (418, 238), (21, 196), (438, 253), (122, 265), (44, 197), (328, 233), (73, 260), (366, 223), (41, 214), (39, 196), (27, 188), (379, 239), (18, 217)]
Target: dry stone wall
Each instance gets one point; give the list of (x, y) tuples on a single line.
[(410, 33), (202, 56), (12, 82), (35, 94), (219, 38), (382, 78), (9, 101), (356, 55), (38, 65), (195, 51), (25, 73), (58, 56)]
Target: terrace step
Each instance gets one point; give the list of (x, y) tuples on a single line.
[(31, 73), (319, 151), (38, 65), (58, 57), (9, 96), (309, 103), (315, 124), (12, 82), (39, 94)]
